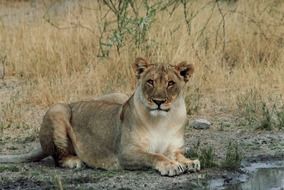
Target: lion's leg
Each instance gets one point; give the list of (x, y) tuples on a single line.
[(65, 154), (54, 137), (141, 159), (191, 165)]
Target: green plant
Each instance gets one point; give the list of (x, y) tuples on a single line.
[(192, 152), (280, 117), (133, 20), (9, 168), (206, 155), (256, 112), (233, 156), (266, 122), (249, 106), (128, 24)]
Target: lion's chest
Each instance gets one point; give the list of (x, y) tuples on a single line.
[(163, 138)]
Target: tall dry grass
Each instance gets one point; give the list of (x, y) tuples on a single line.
[(235, 46)]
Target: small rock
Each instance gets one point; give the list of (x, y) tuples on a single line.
[(201, 124)]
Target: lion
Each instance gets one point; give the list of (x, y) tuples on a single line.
[(145, 130)]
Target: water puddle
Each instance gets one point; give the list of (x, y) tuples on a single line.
[(260, 176)]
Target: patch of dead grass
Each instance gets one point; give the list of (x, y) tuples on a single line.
[(61, 64)]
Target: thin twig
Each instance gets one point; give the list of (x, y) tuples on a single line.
[(207, 22), (187, 20), (223, 26), (111, 6)]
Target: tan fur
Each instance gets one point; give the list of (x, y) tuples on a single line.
[(114, 131)]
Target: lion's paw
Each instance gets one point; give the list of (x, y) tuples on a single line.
[(192, 165), (72, 162), (170, 168)]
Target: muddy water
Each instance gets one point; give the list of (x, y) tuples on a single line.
[(265, 178), (261, 176)]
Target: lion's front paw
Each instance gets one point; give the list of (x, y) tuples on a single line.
[(72, 162), (192, 165), (170, 168)]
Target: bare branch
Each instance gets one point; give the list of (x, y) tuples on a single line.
[(223, 25), (207, 21)]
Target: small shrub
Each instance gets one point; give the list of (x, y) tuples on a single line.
[(130, 23), (259, 114), (192, 153), (9, 168), (233, 157), (206, 155), (280, 118), (249, 106), (266, 122)]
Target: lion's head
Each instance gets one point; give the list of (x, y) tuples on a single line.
[(160, 85)]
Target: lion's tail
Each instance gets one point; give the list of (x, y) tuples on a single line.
[(33, 156)]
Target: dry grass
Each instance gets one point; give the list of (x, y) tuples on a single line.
[(233, 53)]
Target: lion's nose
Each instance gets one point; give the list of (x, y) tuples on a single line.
[(159, 101)]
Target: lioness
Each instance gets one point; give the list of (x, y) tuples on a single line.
[(114, 131)]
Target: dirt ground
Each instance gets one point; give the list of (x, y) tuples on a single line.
[(254, 146), (44, 175)]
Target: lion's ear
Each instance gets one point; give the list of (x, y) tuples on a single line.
[(185, 70), (139, 66)]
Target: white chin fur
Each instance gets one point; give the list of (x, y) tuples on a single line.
[(156, 113)]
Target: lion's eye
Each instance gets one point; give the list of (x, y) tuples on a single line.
[(171, 83), (150, 82)]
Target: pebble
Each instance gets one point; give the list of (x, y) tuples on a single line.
[(201, 124)]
